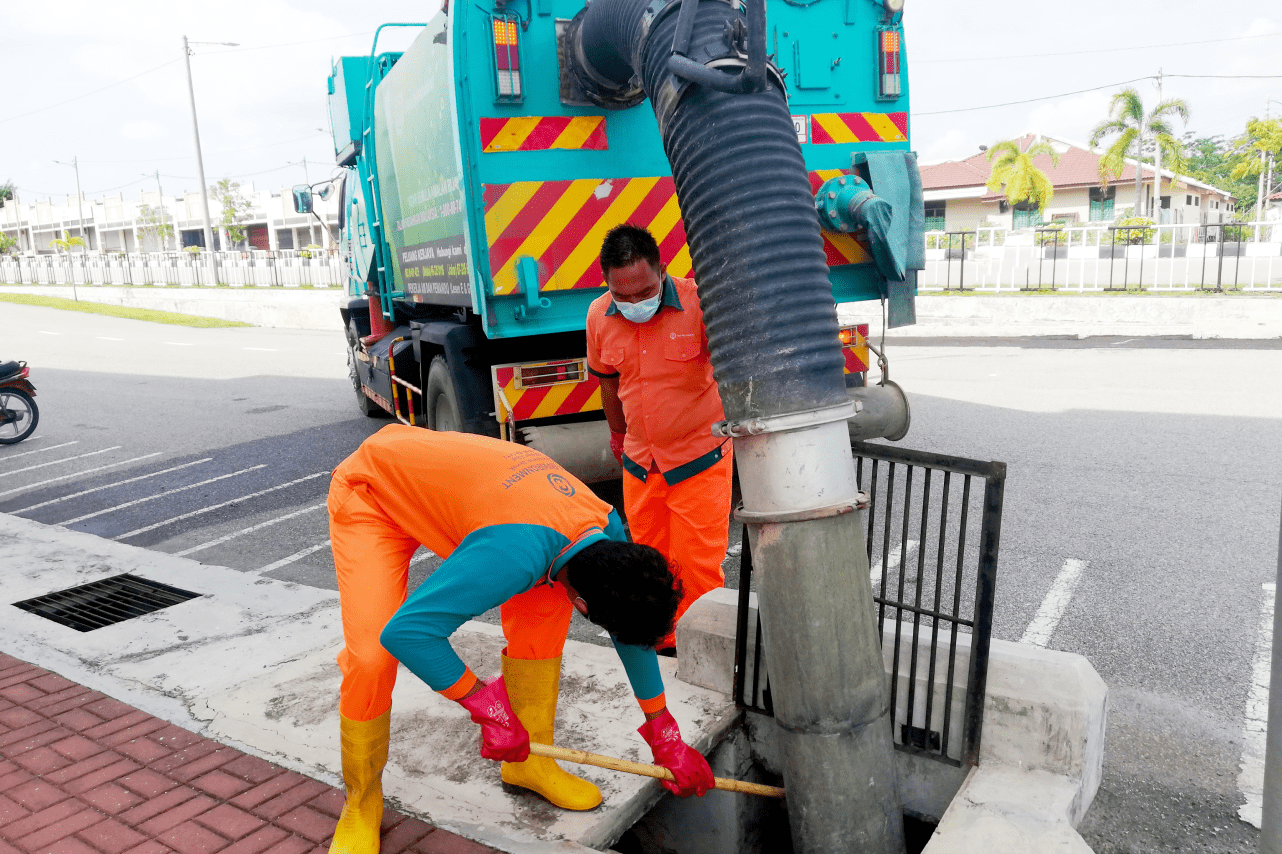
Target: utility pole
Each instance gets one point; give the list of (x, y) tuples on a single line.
[(1157, 169), (200, 161), (80, 202), (311, 228), (164, 243), (1259, 198)]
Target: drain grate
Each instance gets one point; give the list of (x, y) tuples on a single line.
[(104, 603)]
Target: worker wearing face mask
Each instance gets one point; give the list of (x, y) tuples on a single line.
[(648, 347)]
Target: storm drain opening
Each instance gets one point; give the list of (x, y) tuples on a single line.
[(105, 602)]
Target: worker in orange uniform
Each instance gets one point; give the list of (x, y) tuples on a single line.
[(517, 532), (647, 345)]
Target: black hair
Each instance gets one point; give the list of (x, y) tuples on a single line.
[(626, 244), (629, 590)]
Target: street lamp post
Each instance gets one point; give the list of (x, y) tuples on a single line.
[(200, 162), (80, 206)]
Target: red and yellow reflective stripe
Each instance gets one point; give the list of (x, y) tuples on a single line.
[(561, 224), (832, 128), (541, 133), (543, 401), (854, 347)]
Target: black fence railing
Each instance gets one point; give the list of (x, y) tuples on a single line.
[(933, 572)]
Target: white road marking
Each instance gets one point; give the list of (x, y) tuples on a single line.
[(423, 554), (892, 561), (735, 549), (112, 485), (296, 556), (63, 460), (1250, 781), (1039, 631), (178, 343), (164, 494), (219, 505), (75, 474), (41, 450), (105, 338), (251, 529), (262, 349), (42, 332)]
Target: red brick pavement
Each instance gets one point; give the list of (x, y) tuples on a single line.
[(81, 773)]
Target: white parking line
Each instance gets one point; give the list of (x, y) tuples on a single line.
[(1039, 631), (111, 485), (179, 518), (892, 561), (178, 344), (40, 483), (41, 450), (262, 349), (164, 494), (105, 338), (43, 332), (251, 529), (1250, 780), (63, 460), (296, 556), (423, 553)]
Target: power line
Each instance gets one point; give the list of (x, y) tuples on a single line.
[(225, 151), (87, 94), (1031, 100), (1004, 57), (1230, 76)]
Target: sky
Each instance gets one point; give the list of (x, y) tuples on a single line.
[(105, 83)]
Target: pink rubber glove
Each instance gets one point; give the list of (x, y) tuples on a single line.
[(616, 446), (503, 736), (693, 776)]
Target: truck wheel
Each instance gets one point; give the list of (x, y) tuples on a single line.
[(368, 408), (441, 406)]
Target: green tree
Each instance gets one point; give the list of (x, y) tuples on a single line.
[(64, 243), (235, 208), (151, 223), (1014, 170), (1263, 137), (8, 244), (1133, 128), (6, 192)]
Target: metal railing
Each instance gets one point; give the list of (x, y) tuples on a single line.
[(933, 573), (288, 269), (1171, 257)]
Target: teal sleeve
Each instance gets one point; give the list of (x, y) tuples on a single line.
[(642, 666), (489, 567), (614, 528)]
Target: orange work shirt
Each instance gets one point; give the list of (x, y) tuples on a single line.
[(669, 397)]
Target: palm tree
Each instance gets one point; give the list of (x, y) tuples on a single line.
[(1014, 169), (1133, 127), (64, 243)]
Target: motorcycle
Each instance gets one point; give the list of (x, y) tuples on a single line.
[(18, 411)]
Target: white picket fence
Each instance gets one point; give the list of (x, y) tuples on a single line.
[(286, 269), (1100, 257)]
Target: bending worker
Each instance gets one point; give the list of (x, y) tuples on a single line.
[(647, 345), (519, 532)]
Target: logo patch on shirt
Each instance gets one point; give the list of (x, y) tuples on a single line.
[(561, 485)]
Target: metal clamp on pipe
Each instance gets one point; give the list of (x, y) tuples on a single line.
[(786, 422), (862, 502)]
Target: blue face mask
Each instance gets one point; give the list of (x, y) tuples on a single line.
[(639, 312)]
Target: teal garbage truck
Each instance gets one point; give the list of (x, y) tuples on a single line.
[(481, 167)]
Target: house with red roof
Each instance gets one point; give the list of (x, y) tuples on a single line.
[(958, 200)]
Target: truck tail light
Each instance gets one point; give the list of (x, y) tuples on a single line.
[(854, 347), (507, 61), (889, 46)]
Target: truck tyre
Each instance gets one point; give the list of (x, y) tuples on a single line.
[(442, 408), (368, 408)]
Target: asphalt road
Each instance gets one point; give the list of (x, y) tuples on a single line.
[(1151, 471)]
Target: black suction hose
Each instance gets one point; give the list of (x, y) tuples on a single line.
[(745, 199)]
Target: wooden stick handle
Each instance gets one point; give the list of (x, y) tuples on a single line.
[(584, 758)]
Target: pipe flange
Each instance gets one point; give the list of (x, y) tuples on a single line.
[(783, 423), (750, 517)]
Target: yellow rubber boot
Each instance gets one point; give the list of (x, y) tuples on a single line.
[(532, 686), (364, 755)]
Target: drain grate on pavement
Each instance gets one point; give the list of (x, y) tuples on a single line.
[(105, 602)]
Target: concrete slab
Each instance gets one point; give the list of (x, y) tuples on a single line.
[(251, 663)]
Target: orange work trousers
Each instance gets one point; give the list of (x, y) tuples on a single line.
[(689, 522), (372, 557)]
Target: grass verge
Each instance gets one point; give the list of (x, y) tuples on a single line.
[(170, 317)]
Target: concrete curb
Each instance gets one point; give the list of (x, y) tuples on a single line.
[(1041, 752), (1242, 316)]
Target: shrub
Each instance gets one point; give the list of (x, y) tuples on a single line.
[(1136, 235)]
